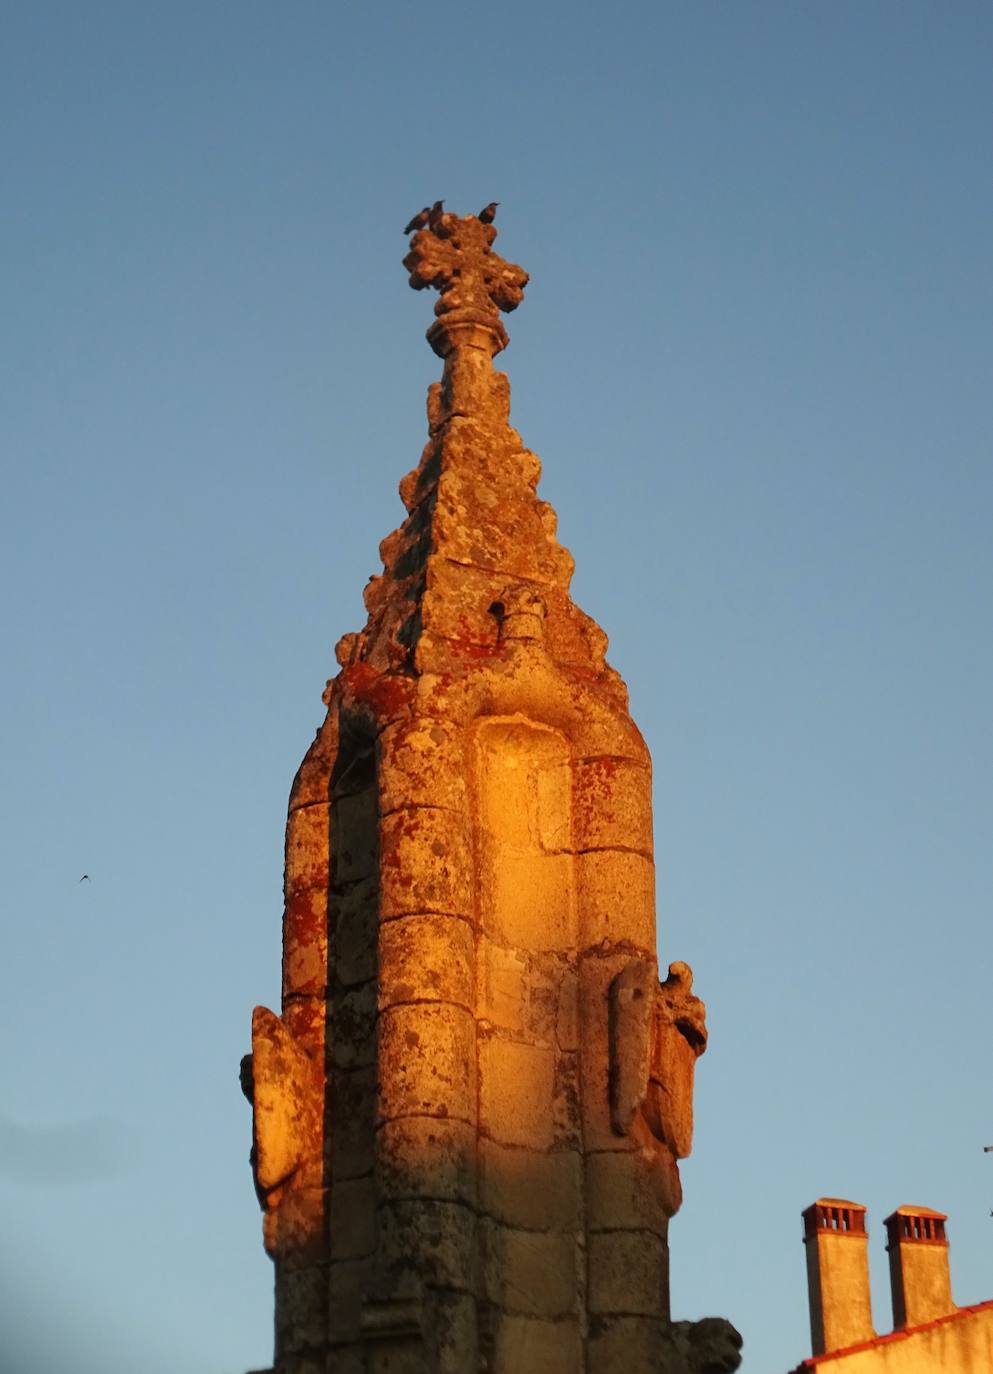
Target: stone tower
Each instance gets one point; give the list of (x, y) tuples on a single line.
[(468, 1115)]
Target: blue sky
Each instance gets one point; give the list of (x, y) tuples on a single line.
[(755, 360)]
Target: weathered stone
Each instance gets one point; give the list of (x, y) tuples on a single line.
[(348, 1283), (434, 1241), (353, 1218), (301, 1316), (430, 1157), (567, 1014), (616, 898), (300, 1235), (354, 912), (284, 1088), (422, 764), (628, 1345), (515, 1089), (305, 942), (353, 1122), (345, 1359), (627, 1271), (425, 863), (427, 1062), (630, 1188), (529, 1189), (709, 1346), (452, 1333), (304, 1016), (533, 1273), (427, 958), (613, 805), (471, 1111), (307, 848), (503, 986), (353, 1044), (354, 841), (308, 1363), (540, 1347)]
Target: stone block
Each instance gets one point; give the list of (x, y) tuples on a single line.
[(427, 1062), (352, 1043), (506, 541), (521, 992), (307, 848), (348, 1283), (355, 837), (305, 942), (516, 1087), (453, 1332), (304, 1016), (397, 1355), (627, 1273), (567, 1011), (626, 1345), (533, 1273), (630, 1189), (612, 805), (310, 1362), (352, 1227), (567, 1122), (354, 922), (528, 1345), (422, 763), (530, 1190), (427, 958), (502, 982), (301, 1228), (427, 1157), (616, 892), (345, 1359), (301, 1309), (472, 388), (433, 1241), (528, 898), (353, 1123), (426, 864)]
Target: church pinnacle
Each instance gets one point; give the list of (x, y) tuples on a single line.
[(477, 537), (469, 1111)]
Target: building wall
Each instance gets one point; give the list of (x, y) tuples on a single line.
[(961, 1343)]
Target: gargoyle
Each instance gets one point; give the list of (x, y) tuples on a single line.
[(657, 1033), (283, 1085), (709, 1346)]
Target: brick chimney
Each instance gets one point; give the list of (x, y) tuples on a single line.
[(919, 1277), (837, 1274)]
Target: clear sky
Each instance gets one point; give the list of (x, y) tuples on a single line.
[(755, 360)]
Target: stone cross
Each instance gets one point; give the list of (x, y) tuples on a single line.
[(456, 257)]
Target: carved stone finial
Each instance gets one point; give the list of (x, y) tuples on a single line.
[(456, 257)]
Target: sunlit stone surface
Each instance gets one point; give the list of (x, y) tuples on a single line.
[(468, 1116)]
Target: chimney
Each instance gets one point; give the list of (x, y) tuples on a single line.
[(837, 1274), (919, 1277)]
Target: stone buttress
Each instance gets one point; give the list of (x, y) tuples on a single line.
[(469, 1112)]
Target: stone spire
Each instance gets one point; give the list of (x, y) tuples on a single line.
[(477, 537), (469, 1112)]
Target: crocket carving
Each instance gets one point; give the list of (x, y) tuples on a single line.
[(284, 1087), (657, 1033)]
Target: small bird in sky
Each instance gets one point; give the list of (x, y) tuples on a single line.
[(419, 221), (434, 214), (488, 213), (85, 878)]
